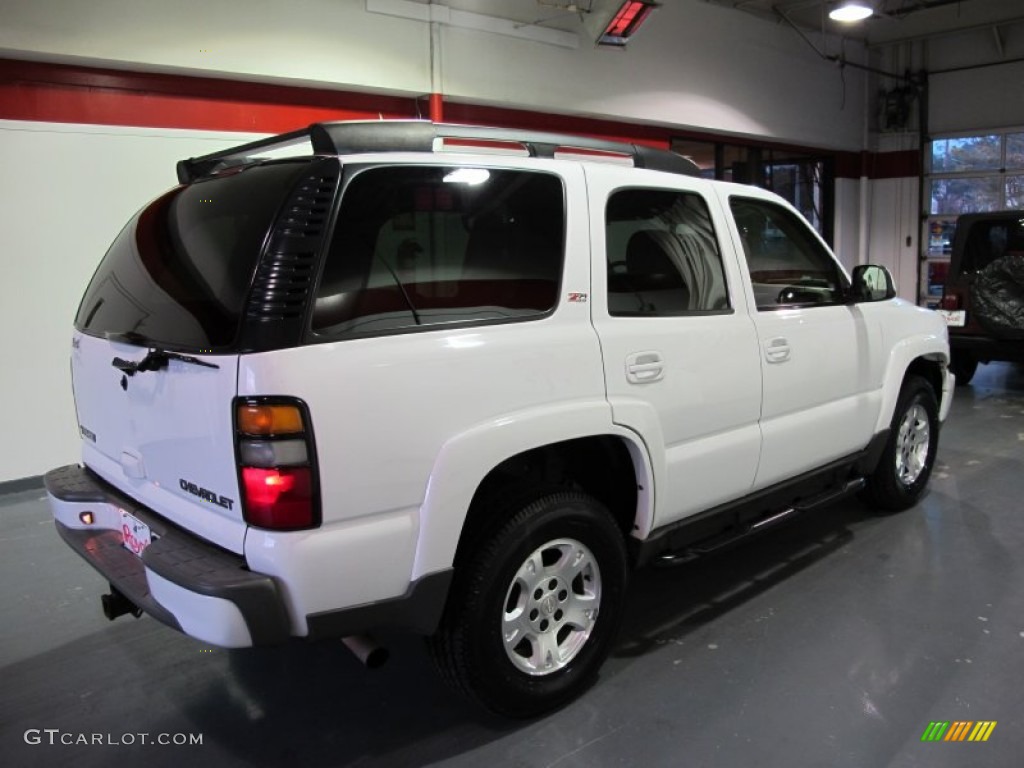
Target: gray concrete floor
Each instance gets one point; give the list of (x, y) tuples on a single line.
[(831, 642)]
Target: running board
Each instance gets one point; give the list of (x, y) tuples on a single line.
[(722, 540)]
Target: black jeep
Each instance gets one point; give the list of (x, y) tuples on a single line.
[(983, 299)]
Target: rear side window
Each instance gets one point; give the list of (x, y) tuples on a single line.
[(179, 273), (988, 241), (788, 265), (663, 256), (419, 246)]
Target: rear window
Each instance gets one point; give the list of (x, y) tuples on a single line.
[(421, 246), (990, 240), (178, 274)]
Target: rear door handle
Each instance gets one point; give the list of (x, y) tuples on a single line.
[(644, 367), (777, 350)]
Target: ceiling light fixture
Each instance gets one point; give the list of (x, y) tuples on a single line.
[(626, 21), (851, 10)]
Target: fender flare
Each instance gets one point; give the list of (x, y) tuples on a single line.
[(901, 356), (466, 459)]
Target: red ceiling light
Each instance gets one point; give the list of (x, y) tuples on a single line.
[(626, 21)]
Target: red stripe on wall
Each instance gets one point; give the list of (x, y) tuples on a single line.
[(878, 165), (63, 94)]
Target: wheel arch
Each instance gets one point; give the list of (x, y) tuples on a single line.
[(927, 358), (474, 481)]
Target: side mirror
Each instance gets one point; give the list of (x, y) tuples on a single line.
[(872, 282)]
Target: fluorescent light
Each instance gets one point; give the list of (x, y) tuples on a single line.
[(852, 10), (626, 21)]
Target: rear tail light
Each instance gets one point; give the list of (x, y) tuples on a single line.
[(950, 301), (279, 479)]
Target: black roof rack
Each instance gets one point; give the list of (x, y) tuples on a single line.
[(418, 136)]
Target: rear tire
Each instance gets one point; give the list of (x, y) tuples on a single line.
[(906, 463), (534, 610), (963, 365)]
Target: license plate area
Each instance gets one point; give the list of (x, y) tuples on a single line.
[(955, 318), (136, 535)]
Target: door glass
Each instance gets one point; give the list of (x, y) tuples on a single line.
[(788, 265), (663, 256)]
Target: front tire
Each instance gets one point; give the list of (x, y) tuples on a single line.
[(534, 610), (906, 463)]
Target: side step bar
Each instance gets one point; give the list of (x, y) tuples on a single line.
[(770, 520)]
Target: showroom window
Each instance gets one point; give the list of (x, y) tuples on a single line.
[(799, 177), (662, 254), (788, 265), (967, 174), (421, 246)]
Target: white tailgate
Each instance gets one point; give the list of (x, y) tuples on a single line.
[(164, 437)]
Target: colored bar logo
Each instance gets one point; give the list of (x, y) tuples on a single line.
[(959, 730)]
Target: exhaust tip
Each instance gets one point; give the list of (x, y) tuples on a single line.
[(366, 649)]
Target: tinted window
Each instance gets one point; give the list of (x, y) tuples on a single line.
[(988, 241), (663, 258), (179, 272), (788, 264), (426, 245)]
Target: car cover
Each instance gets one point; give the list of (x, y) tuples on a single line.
[(998, 297)]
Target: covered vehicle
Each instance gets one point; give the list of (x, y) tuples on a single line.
[(983, 299)]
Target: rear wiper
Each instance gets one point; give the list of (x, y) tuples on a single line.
[(155, 360), (401, 289)]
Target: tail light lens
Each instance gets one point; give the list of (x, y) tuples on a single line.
[(950, 301), (275, 453)]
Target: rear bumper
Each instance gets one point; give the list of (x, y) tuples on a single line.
[(180, 580), (986, 349)]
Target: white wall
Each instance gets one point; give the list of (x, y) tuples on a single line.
[(846, 235), (66, 192), (977, 99), (980, 98), (974, 82), (692, 65), (893, 217)]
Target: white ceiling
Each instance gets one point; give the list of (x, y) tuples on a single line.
[(894, 20)]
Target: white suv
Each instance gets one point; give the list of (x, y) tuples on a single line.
[(460, 381)]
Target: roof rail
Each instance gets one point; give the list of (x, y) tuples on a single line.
[(421, 136)]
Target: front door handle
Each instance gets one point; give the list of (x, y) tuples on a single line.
[(777, 350), (644, 367)]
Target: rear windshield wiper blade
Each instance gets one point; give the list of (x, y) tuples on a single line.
[(401, 289), (155, 360)]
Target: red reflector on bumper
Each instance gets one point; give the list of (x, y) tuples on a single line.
[(278, 499)]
